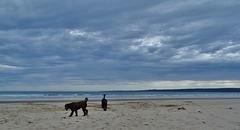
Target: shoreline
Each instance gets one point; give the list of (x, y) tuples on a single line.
[(115, 100)]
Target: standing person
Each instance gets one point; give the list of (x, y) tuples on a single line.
[(104, 103)]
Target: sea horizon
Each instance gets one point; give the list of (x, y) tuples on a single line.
[(120, 94)]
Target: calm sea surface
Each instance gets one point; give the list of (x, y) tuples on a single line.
[(27, 96)]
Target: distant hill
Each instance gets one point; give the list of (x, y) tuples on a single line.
[(186, 90), (199, 90)]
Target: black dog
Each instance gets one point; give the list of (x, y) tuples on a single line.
[(74, 106)]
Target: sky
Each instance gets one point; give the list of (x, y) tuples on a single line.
[(94, 45)]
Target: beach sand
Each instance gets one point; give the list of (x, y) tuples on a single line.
[(171, 114)]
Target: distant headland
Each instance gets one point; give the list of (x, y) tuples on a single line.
[(186, 90)]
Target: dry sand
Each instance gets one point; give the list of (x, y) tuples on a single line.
[(181, 114)]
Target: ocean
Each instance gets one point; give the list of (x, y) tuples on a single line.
[(51, 95)]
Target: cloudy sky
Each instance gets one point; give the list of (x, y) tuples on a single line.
[(119, 45)]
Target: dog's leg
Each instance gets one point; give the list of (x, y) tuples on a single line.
[(76, 113), (85, 111), (71, 113)]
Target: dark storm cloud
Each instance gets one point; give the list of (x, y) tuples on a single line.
[(106, 42)]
